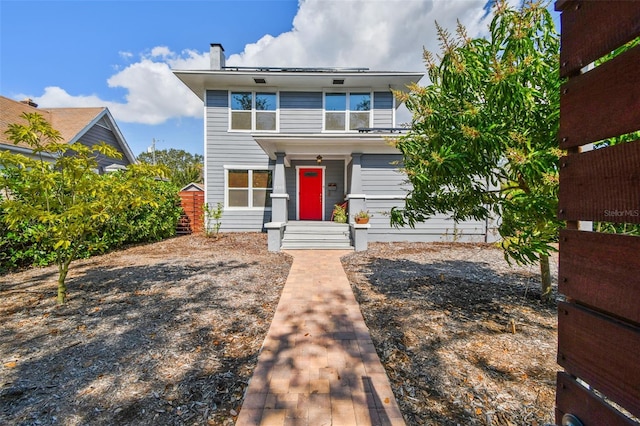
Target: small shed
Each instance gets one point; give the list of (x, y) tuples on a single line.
[(192, 202)]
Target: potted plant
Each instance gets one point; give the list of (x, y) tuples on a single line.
[(362, 217), (339, 214)]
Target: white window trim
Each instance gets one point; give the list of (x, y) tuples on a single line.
[(324, 175), (347, 111), (253, 110), (226, 186)]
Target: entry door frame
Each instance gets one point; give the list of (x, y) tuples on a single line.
[(298, 168)]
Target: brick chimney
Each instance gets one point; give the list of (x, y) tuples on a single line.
[(29, 102), (216, 54)]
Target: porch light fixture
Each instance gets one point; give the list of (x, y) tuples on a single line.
[(319, 159)]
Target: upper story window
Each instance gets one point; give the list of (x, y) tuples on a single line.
[(253, 111), (347, 111)]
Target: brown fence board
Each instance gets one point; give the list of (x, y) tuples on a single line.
[(572, 398), (599, 324), (602, 351), (601, 185), (602, 103), (588, 33), (193, 218), (602, 271)]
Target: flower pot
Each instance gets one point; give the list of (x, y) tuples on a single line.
[(362, 220)]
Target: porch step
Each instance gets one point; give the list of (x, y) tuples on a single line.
[(308, 235)]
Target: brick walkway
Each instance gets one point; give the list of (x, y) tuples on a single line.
[(318, 365)]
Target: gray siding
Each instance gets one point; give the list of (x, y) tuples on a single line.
[(98, 134), (383, 109), (218, 98), (381, 177), (230, 148), (382, 100), (334, 173), (386, 187), (301, 100), (300, 112), (437, 228)]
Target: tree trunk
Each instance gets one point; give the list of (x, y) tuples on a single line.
[(63, 269), (545, 278)]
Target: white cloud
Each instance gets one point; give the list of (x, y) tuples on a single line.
[(57, 97), (382, 35), (154, 94), (161, 51), (125, 55), (189, 60)]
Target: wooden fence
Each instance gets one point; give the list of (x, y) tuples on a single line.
[(192, 219), (599, 274)]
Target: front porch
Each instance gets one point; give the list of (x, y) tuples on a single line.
[(314, 172), (301, 212)]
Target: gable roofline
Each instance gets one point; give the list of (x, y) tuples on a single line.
[(114, 128), (72, 123), (193, 186)]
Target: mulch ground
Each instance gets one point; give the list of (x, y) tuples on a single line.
[(159, 334), (169, 333), (464, 337)]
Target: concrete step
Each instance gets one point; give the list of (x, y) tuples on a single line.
[(317, 227), (314, 246), (319, 230), (316, 235), (288, 236)]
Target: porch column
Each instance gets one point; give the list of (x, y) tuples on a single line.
[(357, 202), (279, 197), (356, 198), (279, 206), (356, 173)]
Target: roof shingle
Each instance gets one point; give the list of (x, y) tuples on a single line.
[(68, 121)]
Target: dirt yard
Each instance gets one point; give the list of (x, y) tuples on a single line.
[(169, 333), (464, 337), (160, 334)]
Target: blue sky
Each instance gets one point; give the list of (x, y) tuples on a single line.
[(120, 54)]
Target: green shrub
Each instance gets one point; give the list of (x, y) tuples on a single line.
[(142, 224), (20, 249)]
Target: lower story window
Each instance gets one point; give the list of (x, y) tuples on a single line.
[(249, 188)]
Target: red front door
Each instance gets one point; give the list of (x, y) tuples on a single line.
[(310, 193)]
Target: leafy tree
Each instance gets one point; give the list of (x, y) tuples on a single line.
[(64, 204), (483, 137), (183, 166)]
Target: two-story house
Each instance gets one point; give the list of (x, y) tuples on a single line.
[(284, 145)]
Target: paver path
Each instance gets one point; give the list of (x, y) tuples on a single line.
[(318, 365)]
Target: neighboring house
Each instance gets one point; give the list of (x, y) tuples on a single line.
[(284, 145), (86, 125)]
